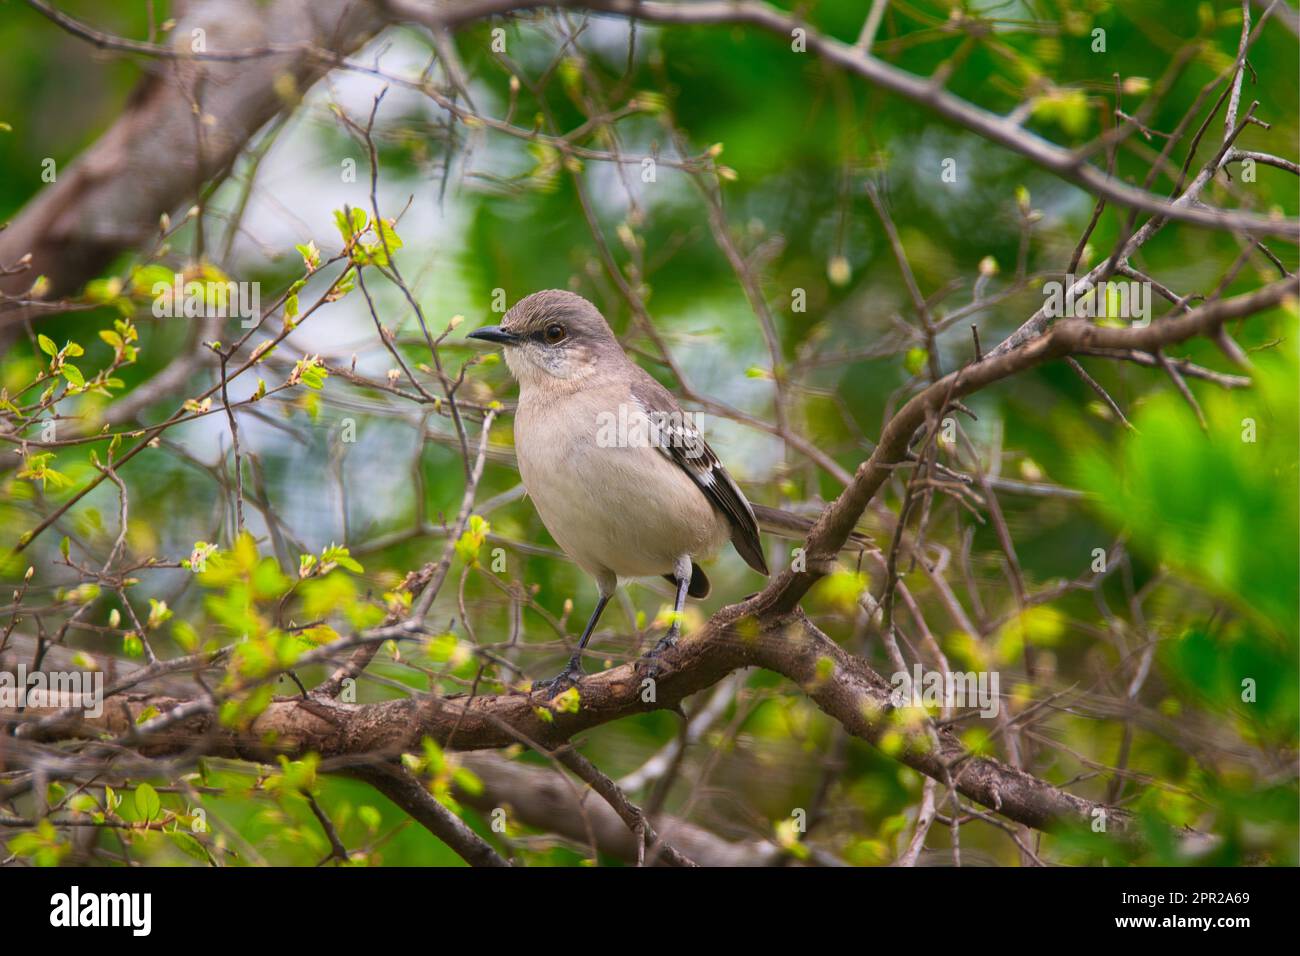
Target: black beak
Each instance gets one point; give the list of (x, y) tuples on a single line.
[(494, 333)]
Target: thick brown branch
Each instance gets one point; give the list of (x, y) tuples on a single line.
[(539, 798), (845, 687), (155, 156)]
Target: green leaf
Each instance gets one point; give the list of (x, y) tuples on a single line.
[(159, 613), (567, 703), (83, 803), (466, 780), (145, 278), (337, 554), (147, 803), (188, 845), (184, 633), (344, 286), (349, 228), (310, 255), (47, 345), (341, 223), (1068, 108), (25, 844), (388, 236)]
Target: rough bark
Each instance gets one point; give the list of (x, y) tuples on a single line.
[(158, 154)]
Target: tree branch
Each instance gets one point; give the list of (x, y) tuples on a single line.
[(1067, 164), (768, 630), (405, 789), (151, 160)]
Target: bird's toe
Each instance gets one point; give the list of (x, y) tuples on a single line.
[(554, 686)]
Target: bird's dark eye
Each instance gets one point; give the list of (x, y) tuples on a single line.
[(554, 333)]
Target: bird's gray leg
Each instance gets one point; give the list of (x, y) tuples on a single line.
[(682, 572), (573, 670)]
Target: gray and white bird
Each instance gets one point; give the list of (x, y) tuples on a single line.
[(619, 474)]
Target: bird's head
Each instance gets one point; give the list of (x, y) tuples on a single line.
[(553, 336)]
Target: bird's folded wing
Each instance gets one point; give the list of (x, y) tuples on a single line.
[(682, 443)]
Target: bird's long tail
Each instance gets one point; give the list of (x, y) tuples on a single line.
[(787, 524)]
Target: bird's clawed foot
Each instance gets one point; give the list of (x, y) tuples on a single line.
[(668, 640), (649, 665), (561, 682)]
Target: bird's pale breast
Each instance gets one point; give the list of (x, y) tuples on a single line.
[(614, 506)]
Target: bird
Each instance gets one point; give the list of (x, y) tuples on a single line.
[(619, 474)]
